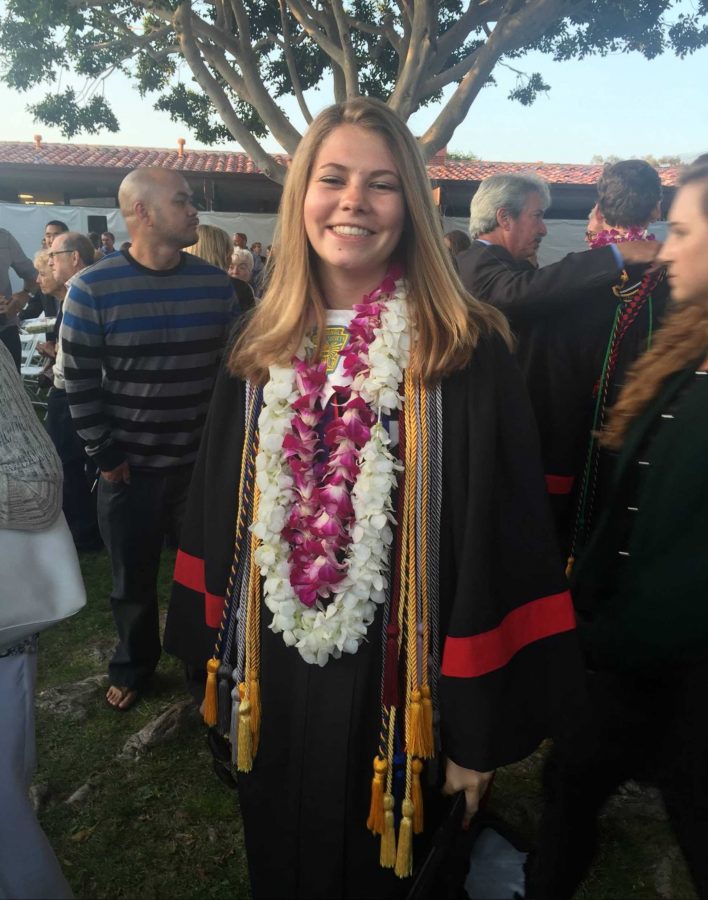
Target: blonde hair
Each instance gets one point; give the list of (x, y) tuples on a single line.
[(41, 263), (213, 245), (242, 256), (448, 322), (681, 341)]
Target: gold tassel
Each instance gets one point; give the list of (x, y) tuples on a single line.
[(569, 566), (416, 737), (404, 855), (210, 708), (375, 822), (245, 738), (417, 796), (388, 838), (428, 736), (254, 689)]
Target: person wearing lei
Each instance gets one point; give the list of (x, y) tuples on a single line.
[(367, 567), (583, 355), (639, 587)]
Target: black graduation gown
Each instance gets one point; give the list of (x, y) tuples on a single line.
[(562, 368), (510, 660), (562, 316)]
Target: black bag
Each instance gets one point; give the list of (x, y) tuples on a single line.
[(484, 862)]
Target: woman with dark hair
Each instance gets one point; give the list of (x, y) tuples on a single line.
[(456, 241), (640, 590), (367, 535)]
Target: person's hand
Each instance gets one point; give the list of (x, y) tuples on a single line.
[(20, 300), (120, 473), (47, 348), (639, 252), (10, 305), (473, 783)]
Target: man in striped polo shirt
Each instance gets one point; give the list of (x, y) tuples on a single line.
[(142, 336)]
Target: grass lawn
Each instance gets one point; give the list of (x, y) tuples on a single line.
[(165, 826)]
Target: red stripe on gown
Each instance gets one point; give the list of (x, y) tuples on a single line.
[(189, 572), (559, 484), (470, 657)]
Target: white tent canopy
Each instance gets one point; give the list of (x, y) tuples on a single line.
[(26, 224)]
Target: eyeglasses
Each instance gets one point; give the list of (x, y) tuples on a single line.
[(53, 253)]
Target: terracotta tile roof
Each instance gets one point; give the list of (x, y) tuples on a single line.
[(105, 157), (555, 173), (220, 161)]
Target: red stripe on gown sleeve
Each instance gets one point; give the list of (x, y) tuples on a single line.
[(189, 572), (470, 657), (559, 484)]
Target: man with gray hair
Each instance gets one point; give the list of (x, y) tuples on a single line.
[(548, 308), (71, 253), (507, 227)]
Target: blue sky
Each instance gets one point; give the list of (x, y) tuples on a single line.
[(623, 105)]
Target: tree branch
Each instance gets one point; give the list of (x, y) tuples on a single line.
[(449, 75), (349, 65), (217, 95), (512, 31), (475, 16), (340, 88), (404, 98), (251, 89), (290, 62), (310, 25)]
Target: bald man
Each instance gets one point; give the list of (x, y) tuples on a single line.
[(142, 336)]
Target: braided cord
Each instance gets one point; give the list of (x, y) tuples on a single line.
[(390, 748), (579, 526), (245, 488), (408, 558), (421, 517), (625, 315), (253, 612), (435, 398), (424, 530)]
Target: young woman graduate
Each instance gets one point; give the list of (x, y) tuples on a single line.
[(369, 501), (640, 589)]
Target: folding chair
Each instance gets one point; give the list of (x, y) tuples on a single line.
[(31, 367)]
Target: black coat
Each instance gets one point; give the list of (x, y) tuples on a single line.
[(526, 294), (641, 584), (562, 316), (510, 662), (563, 373)]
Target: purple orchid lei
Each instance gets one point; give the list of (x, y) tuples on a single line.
[(612, 236), (318, 528)]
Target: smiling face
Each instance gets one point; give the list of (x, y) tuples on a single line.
[(354, 208), (684, 253)]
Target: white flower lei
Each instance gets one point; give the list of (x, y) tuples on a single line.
[(339, 627)]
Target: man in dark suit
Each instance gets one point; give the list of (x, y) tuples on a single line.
[(560, 315), (587, 352), (507, 227)]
